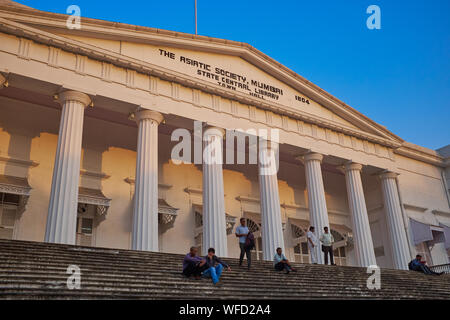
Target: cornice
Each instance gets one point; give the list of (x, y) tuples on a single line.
[(422, 154), (380, 134)]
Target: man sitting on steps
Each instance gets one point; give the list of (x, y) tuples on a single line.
[(281, 263), (214, 266), (193, 264), (418, 265)]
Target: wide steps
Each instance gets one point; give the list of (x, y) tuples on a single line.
[(32, 270)]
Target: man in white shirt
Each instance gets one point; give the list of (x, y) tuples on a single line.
[(327, 245), (312, 243)]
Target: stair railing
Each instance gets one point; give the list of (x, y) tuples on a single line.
[(441, 268)]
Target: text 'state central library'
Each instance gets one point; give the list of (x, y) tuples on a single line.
[(91, 118)]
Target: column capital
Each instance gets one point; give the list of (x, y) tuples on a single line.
[(349, 166), (311, 156), (71, 95), (143, 114), (209, 130), (387, 175)]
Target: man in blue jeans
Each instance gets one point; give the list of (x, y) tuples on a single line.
[(214, 266), (280, 262), (418, 265), (241, 233)]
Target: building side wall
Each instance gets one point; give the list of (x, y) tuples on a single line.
[(423, 194)]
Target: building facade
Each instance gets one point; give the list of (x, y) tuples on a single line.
[(91, 124)]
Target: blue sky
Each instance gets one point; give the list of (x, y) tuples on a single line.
[(399, 75)]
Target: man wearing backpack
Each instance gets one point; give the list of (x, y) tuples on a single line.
[(242, 232)]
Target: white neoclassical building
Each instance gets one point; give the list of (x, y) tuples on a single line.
[(90, 119)]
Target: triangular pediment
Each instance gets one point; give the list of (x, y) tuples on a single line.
[(229, 67), (230, 72)]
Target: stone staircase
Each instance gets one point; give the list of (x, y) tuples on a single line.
[(34, 270)]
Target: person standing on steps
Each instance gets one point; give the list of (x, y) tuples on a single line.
[(214, 266), (327, 245), (312, 243), (242, 233), (280, 262), (193, 264)]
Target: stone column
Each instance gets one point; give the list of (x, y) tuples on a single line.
[(62, 209), (272, 229), (145, 210), (318, 214), (214, 222), (397, 233), (365, 255)]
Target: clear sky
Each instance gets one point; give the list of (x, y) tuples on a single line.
[(398, 76)]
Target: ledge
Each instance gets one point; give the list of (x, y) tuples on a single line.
[(414, 207), (160, 185), (94, 174), (19, 162), (441, 213), (248, 199)]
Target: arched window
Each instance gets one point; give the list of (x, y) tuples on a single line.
[(339, 248), (252, 226), (86, 225), (301, 253), (198, 231), (9, 204), (297, 232)]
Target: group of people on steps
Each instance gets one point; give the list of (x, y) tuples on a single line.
[(212, 266)]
